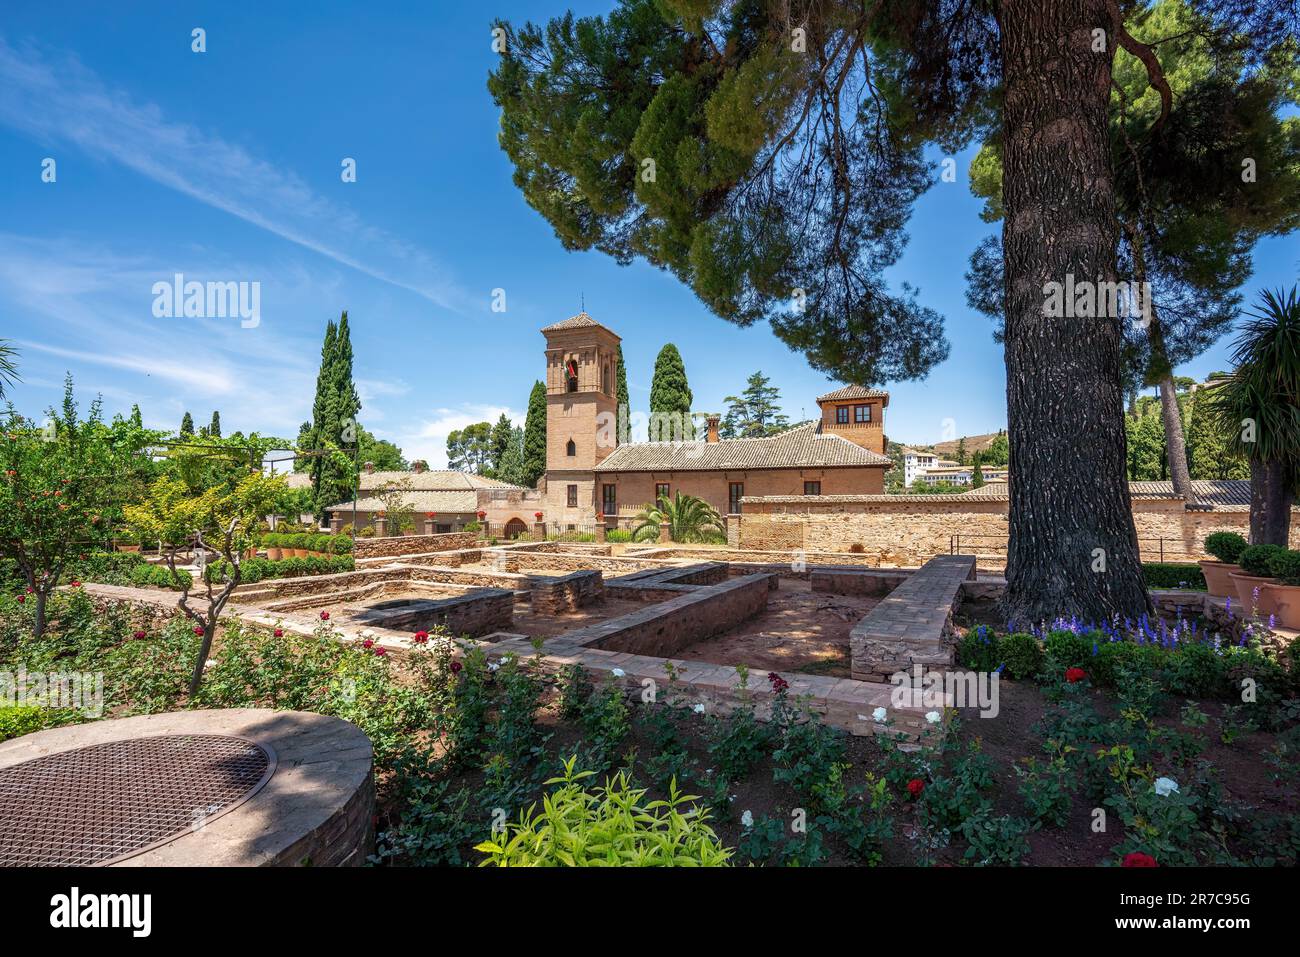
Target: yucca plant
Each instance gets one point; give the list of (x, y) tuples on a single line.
[(689, 518), (1258, 407), (610, 826)]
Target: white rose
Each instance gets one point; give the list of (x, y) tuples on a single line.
[(747, 819), (699, 709), (1166, 786), (879, 714), (934, 717)]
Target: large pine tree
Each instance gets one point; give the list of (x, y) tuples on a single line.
[(754, 413), (768, 153), (534, 465), (670, 398)]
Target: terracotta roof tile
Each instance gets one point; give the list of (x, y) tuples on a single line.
[(854, 392), (801, 447)]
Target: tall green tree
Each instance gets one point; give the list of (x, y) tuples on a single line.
[(1259, 405), (1209, 446), (624, 403), (384, 455), (670, 398), (187, 424), (534, 464), (755, 411), (512, 460), (768, 152), (500, 441), (1187, 219), (334, 430), (214, 429)]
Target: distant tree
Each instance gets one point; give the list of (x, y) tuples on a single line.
[(399, 513), (624, 403), (961, 451), (384, 455), (512, 461), (755, 411), (500, 441), (9, 368), (1146, 443), (670, 398), (1209, 446), (214, 429), (534, 465), (470, 449), (187, 424), (977, 476), (999, 452)]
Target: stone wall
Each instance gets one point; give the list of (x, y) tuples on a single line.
[(907, 530), (854, 581), (475, 613), (557, 596), (413, 544), (665, 628)]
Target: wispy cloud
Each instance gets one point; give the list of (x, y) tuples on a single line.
[(57, 100), (428, 440)]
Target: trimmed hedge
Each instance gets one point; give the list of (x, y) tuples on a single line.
[(321, 542), (1173, 575), (262, 569)]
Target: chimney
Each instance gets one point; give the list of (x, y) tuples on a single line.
[(712, 422), (369, 468)]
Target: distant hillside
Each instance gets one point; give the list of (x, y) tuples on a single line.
[(974, 443)]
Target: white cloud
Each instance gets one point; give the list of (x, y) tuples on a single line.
[(65, 102), (428, 440)]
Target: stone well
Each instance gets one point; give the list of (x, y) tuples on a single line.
[(230, 788)]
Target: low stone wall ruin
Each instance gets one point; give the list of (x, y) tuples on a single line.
[(568, 593)]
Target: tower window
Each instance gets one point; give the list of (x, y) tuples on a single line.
[(571, 375), (861, 414), (605, 379), (572, 498), (571, 449)]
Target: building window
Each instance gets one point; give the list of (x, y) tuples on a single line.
[(609, 499), (571, 449), (841, 415), (605, 381), (735, 492), (861, 414), (573, 496), (661, 491), (571, 375), (812, 488)]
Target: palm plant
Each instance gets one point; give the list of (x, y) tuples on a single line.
[(8, 368), (690, 519), (1258, 407)]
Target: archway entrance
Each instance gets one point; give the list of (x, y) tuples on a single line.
[(515, 527)]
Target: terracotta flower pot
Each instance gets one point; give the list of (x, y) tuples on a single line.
[(1217, 580), (1286, 604), (274, 554), (127, 548), (1246, 585)]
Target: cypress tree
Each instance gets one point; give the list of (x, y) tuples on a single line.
[(187, 424), (535, 436), (320, 407), (512, 462), (338, 428), (670, 396), (624, 403), (214, 430), (499, 443)]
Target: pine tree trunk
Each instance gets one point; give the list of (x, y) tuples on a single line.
[(1175, 442), (1270, 503), (1073, 546)]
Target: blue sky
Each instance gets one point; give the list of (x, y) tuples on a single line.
[(225, 166)]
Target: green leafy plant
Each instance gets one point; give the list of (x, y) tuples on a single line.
[(689, 519), (1022, 654), (1225, 546), (611, 825), (1257, 559), (1284, 565)]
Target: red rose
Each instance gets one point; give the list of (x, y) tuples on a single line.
[(455, 667), (75, 583), (198, 630), (1138, 859), (915, 787), (368, 643), (421, 637), (381, 652), (324, 616), (22, 599), (1075, 674), (279, 632), (139, 635)]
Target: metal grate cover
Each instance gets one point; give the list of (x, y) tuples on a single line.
[(108, 802)]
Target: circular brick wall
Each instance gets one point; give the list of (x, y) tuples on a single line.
[(315, 808)]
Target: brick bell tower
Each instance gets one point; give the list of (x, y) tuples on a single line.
[(581, 407)]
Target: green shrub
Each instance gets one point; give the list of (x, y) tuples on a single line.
[(1285, 567), (1173, 575), (472, 527), (1255, 559), (160, 576), (17, 720), (609, 825), (618, 535), (978, 649), (1022, 655), (1225, 546)]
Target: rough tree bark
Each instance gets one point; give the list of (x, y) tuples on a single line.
[(1073, 547), (1270, 503)]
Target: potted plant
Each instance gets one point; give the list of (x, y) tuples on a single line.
[(127, 541), (1253, 576), (271, 541), (1227, 548), (300, 542), (1284, 594)]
